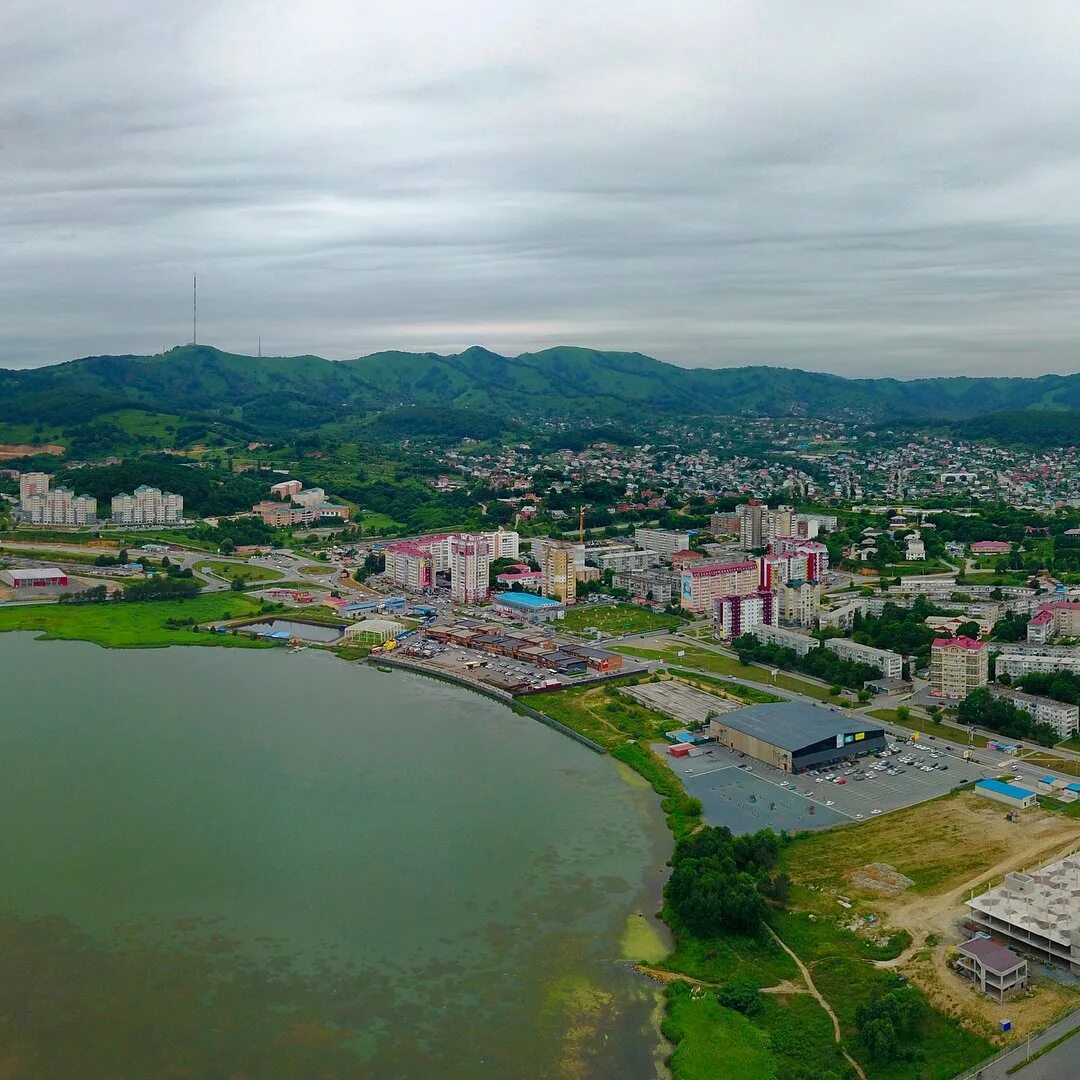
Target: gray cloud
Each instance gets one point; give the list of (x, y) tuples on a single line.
[(866, 189)]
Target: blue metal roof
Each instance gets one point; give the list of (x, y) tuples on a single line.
[(1047, 779), (1073, 787), (1011, 790), (524, 599)]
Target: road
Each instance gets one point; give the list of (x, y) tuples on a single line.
[(1061, 1063)]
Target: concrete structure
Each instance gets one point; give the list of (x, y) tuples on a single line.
[(657, 585), (286, 489), (40, 577), (622, 558), (998, 972), (957, 666), (58, 506), (470, 564), (147, 506), (309, 497), (282, 515), (800, 644), (736, 615), (1037, 914), (1019, 798), (701, 586), (559, 581), (526, 606), (991, 547), (1017, 660), (32, 483), (1062, 717), (794, 736), (798, 602), (1059, 618), (664, 541), (890, 664)]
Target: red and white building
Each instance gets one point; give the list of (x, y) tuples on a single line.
[(701, 586), (735, 615), (1059, 618), (39, 577), (991, 547)]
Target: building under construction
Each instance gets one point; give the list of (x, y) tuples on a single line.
[(1038, 914)]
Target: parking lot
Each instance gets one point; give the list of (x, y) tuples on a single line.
[(683, 702), (746, 795)]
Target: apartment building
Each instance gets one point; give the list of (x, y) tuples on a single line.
[(31, 484), (540, 545), (759, 526), (470, 564), (1062, 717), (58, 506), (147, 506), (503, 543), (664, 541), (701, 586), (279, 515), (798, 603), (559, 580), (800, 644), (657, 585), (622, 558), (1059, 618), (410, 564), (723, 524), (736, 615), (1018, 660), (957, 666), (889, 663)]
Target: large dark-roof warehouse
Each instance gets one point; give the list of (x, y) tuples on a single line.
[(793, 735)]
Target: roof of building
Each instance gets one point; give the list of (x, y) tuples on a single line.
[(36, 572), (791, 725), (992, 956), (1014, 791), (524, 599), (719, 568), (957, 643)]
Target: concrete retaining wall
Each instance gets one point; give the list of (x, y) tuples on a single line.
[(489, 692)]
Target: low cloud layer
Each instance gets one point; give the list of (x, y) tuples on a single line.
[(872, 188)]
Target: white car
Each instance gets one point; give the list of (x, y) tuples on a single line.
[(859, 817), (875, 811), (829, 802)]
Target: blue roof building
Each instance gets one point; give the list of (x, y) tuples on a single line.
[(532, 608), (1010, 794)]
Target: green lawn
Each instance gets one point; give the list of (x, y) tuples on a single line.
[(722, 664), (1070, 744), (615, 619), (232, 571), (749, 694), (372, 519), (127, 625), (928, 727)]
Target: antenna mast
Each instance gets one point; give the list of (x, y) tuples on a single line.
[(195, 309)]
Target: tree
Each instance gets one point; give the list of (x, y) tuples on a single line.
[(903, 713), (122, 558), (742, 996), (968, 629), (227, 546), (865, 695)]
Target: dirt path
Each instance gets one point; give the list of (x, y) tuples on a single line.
[(805, 972), (785, 986)]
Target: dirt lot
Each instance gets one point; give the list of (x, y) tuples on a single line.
[(16, 450), (947, 847)]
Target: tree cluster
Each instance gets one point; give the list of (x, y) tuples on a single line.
[(820, 663), (980, 708), (888, 1026), (720, 882)]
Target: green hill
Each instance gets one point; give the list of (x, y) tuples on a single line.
[(203, 387)]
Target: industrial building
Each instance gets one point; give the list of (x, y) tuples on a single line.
[(40, 577), (1019, 798), (528, 606), (794, 736), (1036, 913)]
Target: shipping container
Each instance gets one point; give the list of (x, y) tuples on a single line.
[(679, 750)]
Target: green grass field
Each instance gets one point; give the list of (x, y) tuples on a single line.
[(127, 625), (722, 664), (614, 619), (233, 571), (928, 727), (372, 519)]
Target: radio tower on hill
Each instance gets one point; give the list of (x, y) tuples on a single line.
[(195, 309)]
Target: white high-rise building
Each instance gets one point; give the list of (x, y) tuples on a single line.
[(504, 543), (32, 483), (470, 565), (59, 506), (147, 506)]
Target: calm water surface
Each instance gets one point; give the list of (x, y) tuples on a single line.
[(256, 865)]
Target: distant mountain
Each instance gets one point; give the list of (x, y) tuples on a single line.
[(265, 395)]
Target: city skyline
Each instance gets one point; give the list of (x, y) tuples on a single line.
[(863, 194)]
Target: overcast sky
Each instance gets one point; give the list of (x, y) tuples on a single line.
[(858, 187)]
